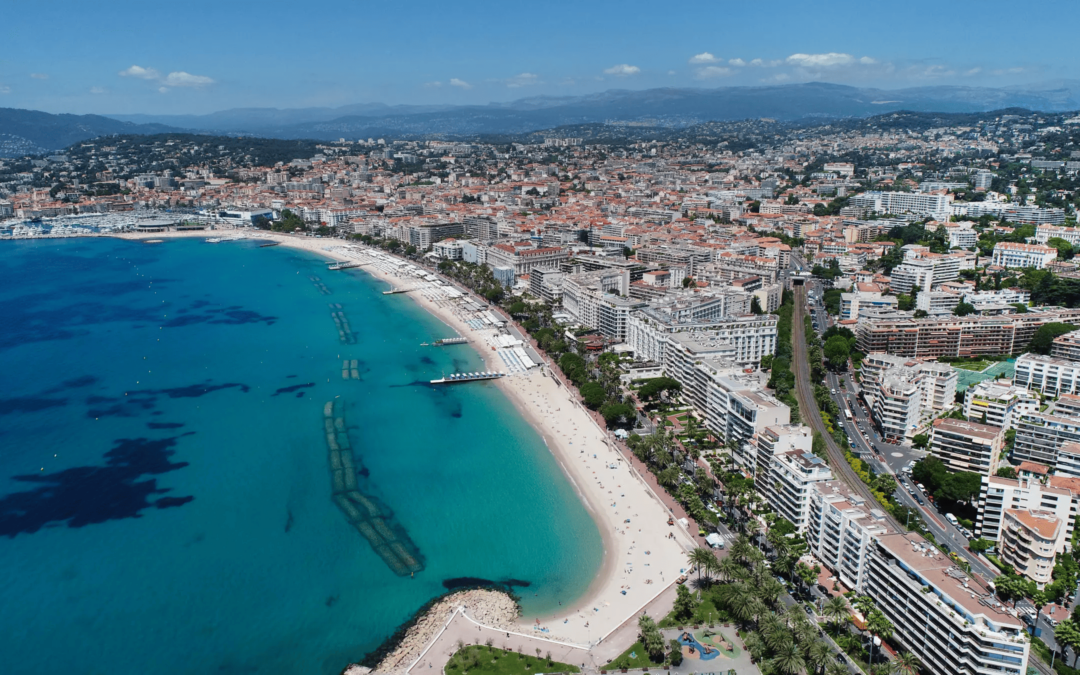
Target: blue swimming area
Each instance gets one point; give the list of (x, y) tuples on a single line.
[(166, 499)]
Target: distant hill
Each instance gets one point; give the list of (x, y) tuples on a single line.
[(668, 107), (25, 131), (31, 132)]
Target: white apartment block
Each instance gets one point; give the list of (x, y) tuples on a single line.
[(650, 331), (961, 236), (1006, 296), (789, 484), (856, 305), (776, 439), (967, 446), (1060, 494), (999, 405), (897, 403), (908, 275), (950, 621), (937, 302), (936, 206), (1029, 541), (1044, 233), (733, 405), (1009, 254), (1048, 375), (902, 391), (840, 529), (1039, 436)]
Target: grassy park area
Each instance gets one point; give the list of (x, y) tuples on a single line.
[(487, 660)]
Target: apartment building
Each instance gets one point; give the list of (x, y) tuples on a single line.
[(546, 283), (999, 405), (650, 329), (971, 335), (936, 206), (937, 303), (950, 621), (841, 526), (916, 389), (788, 486), (1009, 254), (1049, 375), (582, 294), (524, 258), (967, 446), (1044, 233), (1067, 346), (1039, 436), (1060, 494), (1029, 541), (897, 403)]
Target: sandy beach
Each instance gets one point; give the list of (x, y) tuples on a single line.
[(643, 555)]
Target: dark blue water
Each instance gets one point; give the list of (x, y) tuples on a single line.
[(165, 492)]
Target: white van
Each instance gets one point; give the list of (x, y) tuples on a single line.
[(951, 518)]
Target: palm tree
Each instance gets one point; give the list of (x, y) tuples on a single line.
[(835, 608), (905, 663), (728, 569), (788, 660), (835, 668), (818, 654), (753, 528), (703, 559), (864, 604)]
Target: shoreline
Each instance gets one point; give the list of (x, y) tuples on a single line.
[(652, 554)]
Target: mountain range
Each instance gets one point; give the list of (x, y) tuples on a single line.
[(666, 107)]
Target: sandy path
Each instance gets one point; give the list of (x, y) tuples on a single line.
[(642, 557)]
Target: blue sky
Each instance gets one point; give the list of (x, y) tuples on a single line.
[(198, 57)]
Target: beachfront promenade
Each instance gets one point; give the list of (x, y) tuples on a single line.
[(465, 630)]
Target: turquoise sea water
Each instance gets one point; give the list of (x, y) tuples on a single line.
[(165, 494)]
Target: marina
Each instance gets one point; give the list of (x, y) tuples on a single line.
[(468, 377)]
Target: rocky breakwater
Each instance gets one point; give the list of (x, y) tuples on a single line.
[(489, 607)]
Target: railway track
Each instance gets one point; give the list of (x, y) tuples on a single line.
[(808, 409)]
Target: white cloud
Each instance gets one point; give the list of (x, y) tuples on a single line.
[(973, 72), (98, 90), (736, 62), (703, 57), (182, 79), (761, 63), (163, 90), (5, 89), (141, 73), (671, 72), (433, 85), (820, 60), (709, 72), (39, 76), (177, 78), (522, 80), (623, 69), (867, 61), (454, 82)]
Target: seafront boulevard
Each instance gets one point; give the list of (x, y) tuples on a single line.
[(643, 554)]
